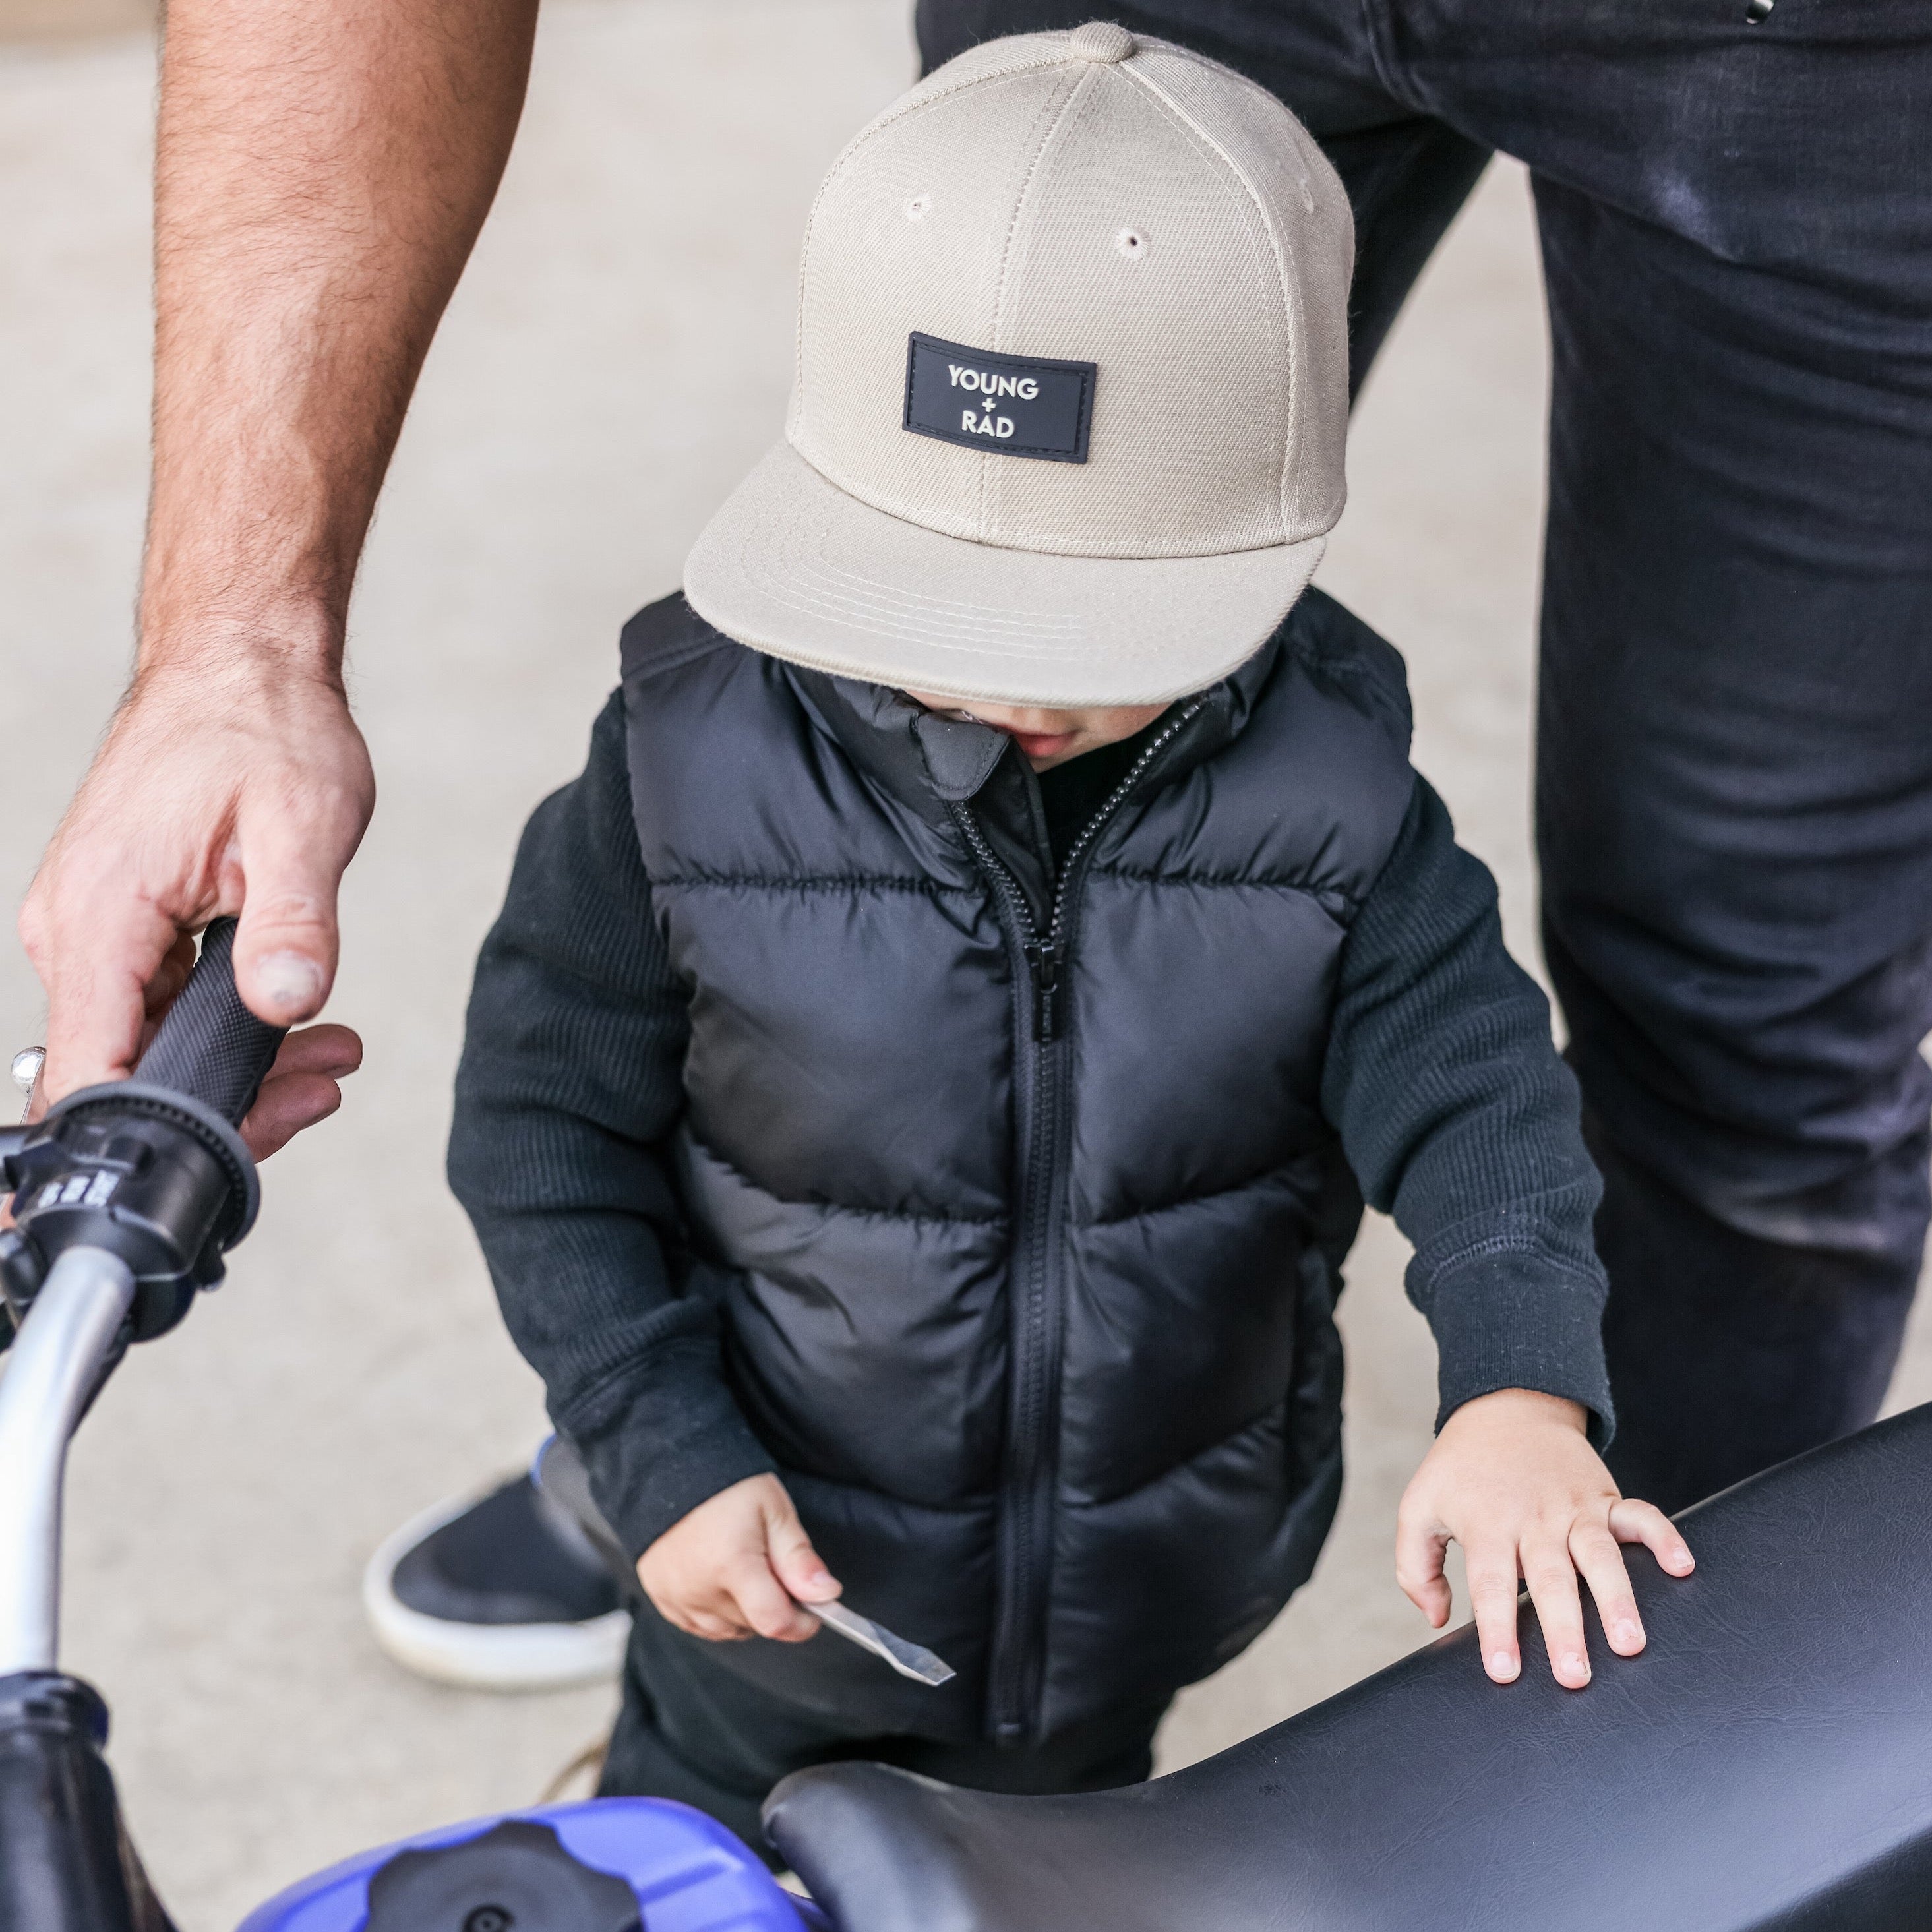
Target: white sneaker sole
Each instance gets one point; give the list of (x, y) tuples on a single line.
[(484, 1657)]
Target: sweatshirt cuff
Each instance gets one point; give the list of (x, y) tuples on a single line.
[(660, 1439), (1520, 1319)]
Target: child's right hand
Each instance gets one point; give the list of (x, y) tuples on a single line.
[(739, 1565)]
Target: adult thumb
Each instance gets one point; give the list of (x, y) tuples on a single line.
[(286, 947), (797, 1564)]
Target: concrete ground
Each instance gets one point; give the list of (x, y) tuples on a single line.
[(615, 360)]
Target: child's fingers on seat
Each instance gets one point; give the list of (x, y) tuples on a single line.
[(1551, 1578), (1597, 1555), (1493, 1591), (1419, 1550), (1632, 1521)]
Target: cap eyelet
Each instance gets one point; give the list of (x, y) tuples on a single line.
[(1307, 194), (918, 208), (1131, 243)]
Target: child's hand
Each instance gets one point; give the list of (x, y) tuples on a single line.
[(1513, 1479), (733, 1566)]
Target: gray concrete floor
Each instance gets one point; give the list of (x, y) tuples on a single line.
[(46, 21), (616, 358)]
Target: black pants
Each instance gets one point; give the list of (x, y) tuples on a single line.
[(1734, 791)]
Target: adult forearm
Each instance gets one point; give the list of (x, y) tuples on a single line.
[(321, 174)]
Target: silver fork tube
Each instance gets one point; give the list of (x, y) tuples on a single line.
[(48, 1373)]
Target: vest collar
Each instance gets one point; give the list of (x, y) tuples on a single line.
[(931, 763)]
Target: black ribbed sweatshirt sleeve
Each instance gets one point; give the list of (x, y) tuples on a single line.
[(570, 1084), (1452, 1107), (1460, 1119)]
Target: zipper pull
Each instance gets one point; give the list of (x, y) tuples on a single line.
[(1046, 958)]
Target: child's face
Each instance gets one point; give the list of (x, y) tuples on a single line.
[(1048, 738)]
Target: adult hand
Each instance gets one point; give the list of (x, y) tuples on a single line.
[(236, 781), (1512, 1477), (739, 1565), (303, 1086)]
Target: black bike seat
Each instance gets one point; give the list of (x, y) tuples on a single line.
[(1766, 1762)]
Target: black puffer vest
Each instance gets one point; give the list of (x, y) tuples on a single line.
[(1017, 1194)]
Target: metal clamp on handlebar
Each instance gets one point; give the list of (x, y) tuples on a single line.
[(148, 1173)]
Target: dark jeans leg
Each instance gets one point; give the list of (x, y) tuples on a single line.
[(1734, 774), (1749, 1352), (694, 1730), (1735, 799)]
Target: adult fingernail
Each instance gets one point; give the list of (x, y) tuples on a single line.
[(1503, 1667), (1628, 1633), (290, 979), (1577, 1666)]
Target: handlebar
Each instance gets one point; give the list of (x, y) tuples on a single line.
[(150, 1169), (210, 1046), (126, 1196)]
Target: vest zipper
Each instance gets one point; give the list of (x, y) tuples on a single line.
[(1045, 956), (1025, 1545)]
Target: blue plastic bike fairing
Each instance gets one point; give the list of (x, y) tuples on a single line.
[(688, 1872)]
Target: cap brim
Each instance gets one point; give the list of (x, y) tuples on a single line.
[(794, 567)]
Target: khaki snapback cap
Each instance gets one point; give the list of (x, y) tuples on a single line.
[(1068, 422)]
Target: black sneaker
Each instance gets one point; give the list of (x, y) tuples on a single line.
[(505, 1593)]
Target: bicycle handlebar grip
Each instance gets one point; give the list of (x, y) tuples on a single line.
[(210, 1046)]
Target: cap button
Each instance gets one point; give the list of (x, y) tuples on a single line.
[(1100, 40)]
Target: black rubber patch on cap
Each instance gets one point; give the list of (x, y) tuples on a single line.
[(1016, 405)]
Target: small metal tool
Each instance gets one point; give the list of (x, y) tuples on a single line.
[(909, 1659)]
